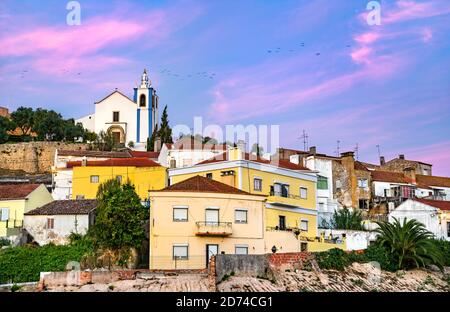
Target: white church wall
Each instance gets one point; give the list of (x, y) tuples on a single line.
[(88, 122), (127, 115)]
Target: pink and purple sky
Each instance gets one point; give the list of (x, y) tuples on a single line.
[(312, 65)]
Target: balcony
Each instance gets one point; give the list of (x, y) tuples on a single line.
[(283, 198), (209, 228)]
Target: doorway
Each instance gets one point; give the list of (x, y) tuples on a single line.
[(211, 250)]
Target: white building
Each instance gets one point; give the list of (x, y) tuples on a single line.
[(322, 164), (187, 152), (127, 120), (434, 214), (55, 221)]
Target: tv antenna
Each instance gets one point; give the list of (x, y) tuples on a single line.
[(378, 149), (338, 148), (305, 140), (357, 151)]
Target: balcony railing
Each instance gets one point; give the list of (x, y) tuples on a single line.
[(285, 195), (208, 228)]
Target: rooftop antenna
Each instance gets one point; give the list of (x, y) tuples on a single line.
[(357, 151), (378, 149), (338, 152), (305, 140)]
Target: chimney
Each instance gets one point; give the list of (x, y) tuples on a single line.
[(401, 156), (84, 161), (312, 150), (157, 144), (410, 173), (241, 145), (382, 160), (347, 155)]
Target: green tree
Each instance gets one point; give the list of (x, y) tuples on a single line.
[(104, 141), (48, 125), (5, 126), (23, 117), (151, 140), (89, 136), (165, 132), (409, 243), (73, 131), (346, 219), (120, 217)]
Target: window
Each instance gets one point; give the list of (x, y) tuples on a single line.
[(363, 204), (209, 176), (304, 225), (322, 183), (303, 192), (240, 216), (115, 116), (257, 184), (241, 250), (212, 216), (180, 252), (4, 214), (448, 229), (50, 223), (362, 183), (180, 214), (280, 189), (142, 100), (338, 185), (80, 197), (119, 178), (303, 247), (282, 223), (94, 178)]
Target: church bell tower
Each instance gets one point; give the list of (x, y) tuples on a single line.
[(147, 109)]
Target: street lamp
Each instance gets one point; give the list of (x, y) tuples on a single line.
[(274, 249)]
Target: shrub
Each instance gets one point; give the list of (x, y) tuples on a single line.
[(444, 247), (382, 256), (23, 264), (4, 241), (333, 259)]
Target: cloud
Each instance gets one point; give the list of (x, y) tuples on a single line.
[(412, 10)]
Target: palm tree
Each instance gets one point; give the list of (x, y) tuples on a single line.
[(409, 242), (346, 219)]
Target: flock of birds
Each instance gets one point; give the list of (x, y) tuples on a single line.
[(196, 75)]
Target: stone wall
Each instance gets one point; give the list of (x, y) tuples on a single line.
[(33, 157)]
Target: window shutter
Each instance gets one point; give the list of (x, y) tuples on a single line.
[(4, 214)]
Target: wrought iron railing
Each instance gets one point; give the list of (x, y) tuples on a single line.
[(213, 223), (285, 195)]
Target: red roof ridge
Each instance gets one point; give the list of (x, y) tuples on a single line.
[(17, 191), (117, 162), (441, 204)]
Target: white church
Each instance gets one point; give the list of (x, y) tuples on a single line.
[(127, 120)]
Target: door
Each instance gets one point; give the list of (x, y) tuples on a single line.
[(212, 217), (211, 250), (116, 137), (282, 223)]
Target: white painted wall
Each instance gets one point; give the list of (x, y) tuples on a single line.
[(88, 122), (184, 157), (355, 240), (62, 181), (379, 188), (423, 213), (64, 225)]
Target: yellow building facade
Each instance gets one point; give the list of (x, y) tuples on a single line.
[(15, 200), (192, 220), (290, 190), (144, 174)]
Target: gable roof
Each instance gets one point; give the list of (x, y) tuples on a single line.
[(116, 162), (440, 204), (281, 163), (65, 207), (114, 92), (16, 191), (433, 180), (203, 185), (389, 176)]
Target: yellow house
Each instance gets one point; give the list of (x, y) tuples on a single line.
[(194, 219), (145, 174), (17, 199), (290, 189)]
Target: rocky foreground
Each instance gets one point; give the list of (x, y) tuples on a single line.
[(356, 278)]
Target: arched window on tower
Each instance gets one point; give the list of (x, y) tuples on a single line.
[(142, 100)]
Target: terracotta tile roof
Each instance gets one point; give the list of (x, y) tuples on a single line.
[(433, 180), (65, 207), (360, 166), (117, 162), (16, 191), (82, 153), (389, 176), (203, 185), (140, 154), (441, 204), (188, 143), (282, 163)]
